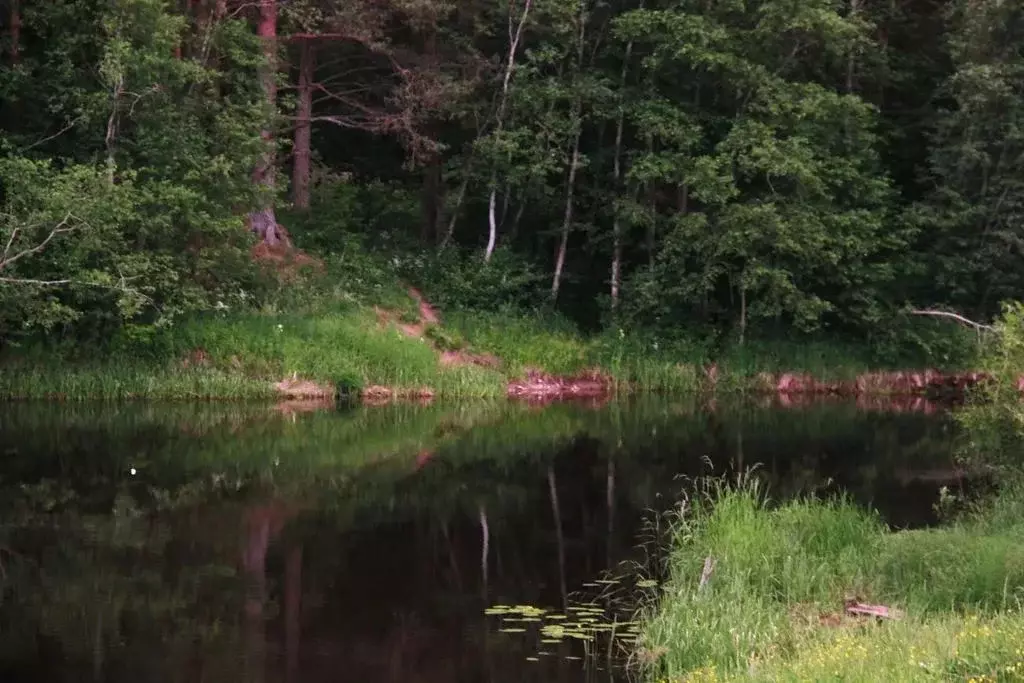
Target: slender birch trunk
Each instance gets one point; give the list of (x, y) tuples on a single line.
[(570, 192), (516, 34), (617, 176)]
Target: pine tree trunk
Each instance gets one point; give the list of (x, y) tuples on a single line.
[(15, 47), (431, 199), (263, 221), (303, 127)]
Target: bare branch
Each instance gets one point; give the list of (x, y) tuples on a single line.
[(30, 281), (954, 316), (121, 286), (61, 227), (7, 249), (60, 132)]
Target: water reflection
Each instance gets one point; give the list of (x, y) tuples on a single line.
[(259, 544)]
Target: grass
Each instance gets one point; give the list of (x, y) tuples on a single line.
[(231, 355), (780, 567), (241, 355)]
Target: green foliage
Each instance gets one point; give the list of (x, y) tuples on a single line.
[(778, 567), (786, 204), (153, 158), (754, 169), (974, 212), (342, 208), (993, 420), (459, 279)]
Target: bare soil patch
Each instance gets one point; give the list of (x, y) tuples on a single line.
[(538, 385), (304, 389)]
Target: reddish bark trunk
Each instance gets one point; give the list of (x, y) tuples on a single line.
[(15, 32), (263, 221), (431, 200), (433, 179), (300, 169)]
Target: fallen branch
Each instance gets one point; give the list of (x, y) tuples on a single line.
[(705, 575), (954, 316), (859, 609)]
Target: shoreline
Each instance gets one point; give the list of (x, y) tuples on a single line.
[(904, 387)]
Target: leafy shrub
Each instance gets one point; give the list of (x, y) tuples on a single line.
[(457, 278)]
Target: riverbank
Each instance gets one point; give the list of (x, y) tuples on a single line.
[(779, 594), (406, 351)]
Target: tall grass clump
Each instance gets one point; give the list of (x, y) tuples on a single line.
[(772, 608), (636, 361)]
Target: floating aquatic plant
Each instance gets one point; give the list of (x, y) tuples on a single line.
[(600, 623)]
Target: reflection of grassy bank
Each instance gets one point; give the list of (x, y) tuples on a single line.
[(772, 609), (252, 437)]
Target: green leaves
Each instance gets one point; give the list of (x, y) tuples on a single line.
[(161, 152), (784, 194)]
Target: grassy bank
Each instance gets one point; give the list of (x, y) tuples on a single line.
[(773, 607), (351, 347)]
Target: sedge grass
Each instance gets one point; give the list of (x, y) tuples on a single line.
[(779, 568)]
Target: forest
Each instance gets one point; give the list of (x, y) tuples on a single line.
[(721, 169)]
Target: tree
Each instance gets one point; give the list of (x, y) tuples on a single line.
[(971, 221), (781, 204), (152, 156)]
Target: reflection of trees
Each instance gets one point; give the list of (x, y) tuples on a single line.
[(106, 593), (177, 573)]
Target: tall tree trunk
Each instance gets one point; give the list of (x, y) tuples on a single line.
[(743, 313), (570, 192), (303, 126), (432, 195), (492, 221), (431, 199), (516, 36), (617, 178), (263, 221), (454, 217), (113, 125), (574, 160), (513, 231), (15, 47)]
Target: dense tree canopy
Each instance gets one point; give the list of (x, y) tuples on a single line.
[(738, 165)]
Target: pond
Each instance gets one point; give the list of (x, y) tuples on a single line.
[(246, 542)]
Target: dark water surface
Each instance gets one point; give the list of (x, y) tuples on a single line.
[(147, 542)]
